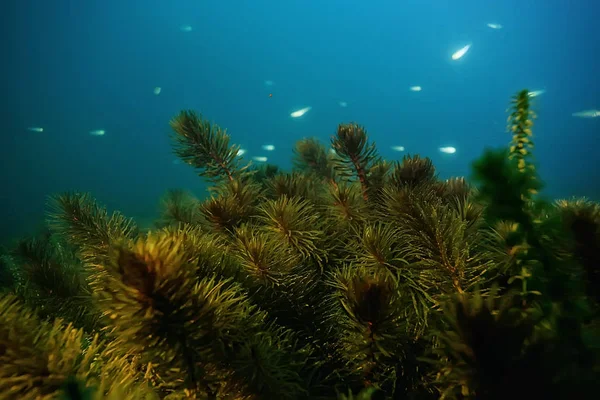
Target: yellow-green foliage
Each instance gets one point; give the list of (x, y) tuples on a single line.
[(520, 122), (205, 146), (348, 277), (42, 360)]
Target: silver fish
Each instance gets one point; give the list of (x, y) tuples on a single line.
[(587, 114)]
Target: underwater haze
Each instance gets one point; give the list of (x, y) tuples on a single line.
[(89, 88)]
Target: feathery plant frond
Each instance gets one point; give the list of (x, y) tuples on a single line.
[(54, 281), (295, 223), (454, 187), (378, 247), (205, 146), (36, 358), (354, 155), (295, 184), (458, 194), (378, 178), (382, 247), (469, 211), (259, 362), (261, 173), (412, 172), (504, 242), (371, 314), (278, 282), (311, 156), (262, 257), (581, 217), (40, 360), (576, 207), (231, 205), (442, 248), (179, 206), (174, 321), (400, 204), (209, 253), (488, 349), (247, 192), (87, 226), (345, 204), (223, 214)]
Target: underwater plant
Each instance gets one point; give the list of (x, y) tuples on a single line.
[(349, 276)]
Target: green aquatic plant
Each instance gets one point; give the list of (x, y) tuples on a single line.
[(205, 146), (348, 276), (508, 179), (8, 273), (49, 360), (581, 218), (520, 122), (311, 156), (87, 226), (201, 329), (179, 207), (412, 172), (365, 394), (542, 317), (53, 281), (354, 155)]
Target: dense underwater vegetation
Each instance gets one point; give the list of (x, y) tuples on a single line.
[(349, 277)]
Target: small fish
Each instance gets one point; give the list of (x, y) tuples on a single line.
[(448, 150), (300, 112), (260, 158), (157, 90), (536, 93), (587, 114), (185, 28), (98, 132), (35, 129), (397, 148), (495, 26), (268, 147), (332, 151), (415, 88), (343, 104), (460, 53), (241, 152)]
